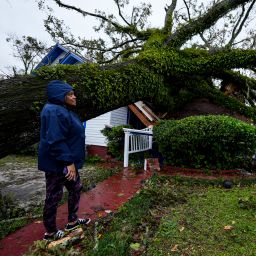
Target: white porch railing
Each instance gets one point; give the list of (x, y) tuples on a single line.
[(136, 141)]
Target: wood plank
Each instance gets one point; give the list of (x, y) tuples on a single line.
[(74, 235), (140, 115)]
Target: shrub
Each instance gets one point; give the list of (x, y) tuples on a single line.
[(9, 208), (211, 142), (93, 159), (115, 137)]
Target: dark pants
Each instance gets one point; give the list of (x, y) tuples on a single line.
[(54, 191)]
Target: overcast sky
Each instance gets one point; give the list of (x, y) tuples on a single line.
[(22, 17)]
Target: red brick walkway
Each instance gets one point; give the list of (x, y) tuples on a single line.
[(107, 195)]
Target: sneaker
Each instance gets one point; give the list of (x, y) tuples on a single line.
[(55, 236), (79, 222)]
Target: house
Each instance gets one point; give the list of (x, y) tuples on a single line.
[(60, 55), (139, 115)]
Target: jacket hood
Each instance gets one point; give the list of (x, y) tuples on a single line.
[(57, 90)]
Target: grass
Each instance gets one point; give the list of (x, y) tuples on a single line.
[(18, 160), (93, 174), (172, 217), (212, 222)]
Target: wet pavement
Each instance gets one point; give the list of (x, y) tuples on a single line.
[(21, 179), (106, 197)]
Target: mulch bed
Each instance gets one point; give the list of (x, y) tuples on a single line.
[(211, 174), (110, 164), (187, 172)]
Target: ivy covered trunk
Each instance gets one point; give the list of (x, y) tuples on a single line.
[(98, 91)]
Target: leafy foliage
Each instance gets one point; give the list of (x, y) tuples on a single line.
[(115, 137), (248, 202), (28, 50), (9, 209), (211, 142)]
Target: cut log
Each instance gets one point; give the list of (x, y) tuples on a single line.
[(70, 238)]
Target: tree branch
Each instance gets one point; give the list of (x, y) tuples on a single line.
[(84, 13), (129, 51), (104, 49), (169, 15), (226, 60), (237, 78), (177, 62), (188, 10), (236, 31), (234, 34), (119, 28), (203, 22), (120, 13)]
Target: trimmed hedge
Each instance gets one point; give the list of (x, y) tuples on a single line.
[(207, 142)]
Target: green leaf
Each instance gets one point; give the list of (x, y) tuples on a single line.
[(135, 246)]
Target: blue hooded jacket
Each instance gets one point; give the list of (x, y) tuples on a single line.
[(62, 138)]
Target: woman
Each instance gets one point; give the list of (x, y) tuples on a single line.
[(61, 154)]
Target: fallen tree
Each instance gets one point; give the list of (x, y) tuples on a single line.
[(163, 71)]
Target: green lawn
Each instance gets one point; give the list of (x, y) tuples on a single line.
[(214, 221)]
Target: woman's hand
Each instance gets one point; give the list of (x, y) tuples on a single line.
[(71, 175)]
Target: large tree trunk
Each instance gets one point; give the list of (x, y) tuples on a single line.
[(19, 122), (22, 98), (101, 89)]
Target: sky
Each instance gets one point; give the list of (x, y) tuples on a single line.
[(22, 17)]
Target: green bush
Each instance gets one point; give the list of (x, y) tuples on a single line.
[(115, 137), (9, 208), (93, 159), (210, 142)]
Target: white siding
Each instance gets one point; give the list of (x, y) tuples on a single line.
[(119, 116), (95, 125), (93, 128)]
